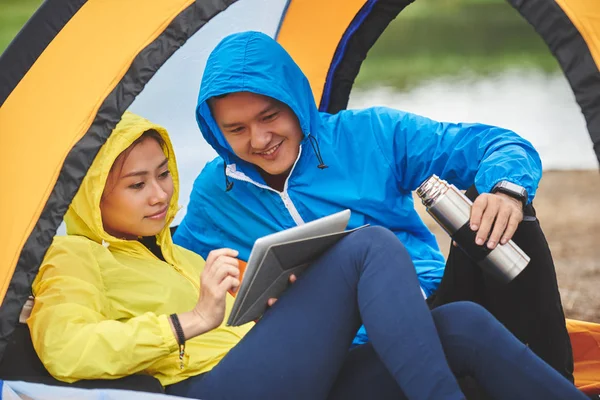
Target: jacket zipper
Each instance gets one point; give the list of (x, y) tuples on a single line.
[(285, 197), (175, 267)]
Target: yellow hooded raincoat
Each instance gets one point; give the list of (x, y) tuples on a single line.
[(102, 304)]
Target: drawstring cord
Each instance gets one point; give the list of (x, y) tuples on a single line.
[(228, 183), (315, 146), (313, 143)]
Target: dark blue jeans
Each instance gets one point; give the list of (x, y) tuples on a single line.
[(299, 349)]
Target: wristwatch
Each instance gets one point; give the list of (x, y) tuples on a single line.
[(512, 190)]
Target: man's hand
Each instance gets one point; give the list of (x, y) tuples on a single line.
[(500, 211), (272, 300)]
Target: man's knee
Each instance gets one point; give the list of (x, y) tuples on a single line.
[(463, 320), (375, 235), (375, 238)]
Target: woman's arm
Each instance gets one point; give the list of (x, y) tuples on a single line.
[(71, 331), (74, 337), (220, 275)]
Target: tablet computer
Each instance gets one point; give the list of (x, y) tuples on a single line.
[(275, 257)]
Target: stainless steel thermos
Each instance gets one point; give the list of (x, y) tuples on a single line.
[(452, 210)]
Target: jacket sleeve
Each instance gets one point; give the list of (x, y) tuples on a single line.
[(69, 328), (417, 147)]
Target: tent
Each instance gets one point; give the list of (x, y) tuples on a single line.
[(77, 65)]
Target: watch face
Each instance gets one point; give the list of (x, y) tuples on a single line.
[(516, 189), (513, 190)]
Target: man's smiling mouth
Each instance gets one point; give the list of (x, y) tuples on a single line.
[(270, 151)]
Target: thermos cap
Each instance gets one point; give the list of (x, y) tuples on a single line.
[(432, 189), (451, 209)]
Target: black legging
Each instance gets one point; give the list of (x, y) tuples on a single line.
[(530, 306)]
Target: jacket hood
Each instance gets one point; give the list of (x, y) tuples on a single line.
[(253, 62), (83, 218)]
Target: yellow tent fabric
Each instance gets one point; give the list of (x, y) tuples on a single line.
[(571, 29), (78, 65), (330, 22), (64, 106), (585, 15)]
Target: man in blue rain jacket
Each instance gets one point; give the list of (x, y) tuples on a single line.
[(283, 163)]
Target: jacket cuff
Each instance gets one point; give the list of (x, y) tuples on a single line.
[(167, 333), (487, 186)]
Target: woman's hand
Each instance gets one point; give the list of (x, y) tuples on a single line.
[(220, 274), (272, 300)]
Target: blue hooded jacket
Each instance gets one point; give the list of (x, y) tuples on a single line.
[(376, 157)]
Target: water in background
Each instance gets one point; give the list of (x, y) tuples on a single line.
[(538, 106)]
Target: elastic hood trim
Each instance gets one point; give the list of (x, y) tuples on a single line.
[(83, 217), (253, 62)]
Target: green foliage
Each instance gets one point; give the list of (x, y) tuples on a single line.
[(433, 38), (13, 15)]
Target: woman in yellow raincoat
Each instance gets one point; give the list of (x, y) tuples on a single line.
[(116, 297)]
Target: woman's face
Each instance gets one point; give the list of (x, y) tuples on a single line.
[(138, 192)]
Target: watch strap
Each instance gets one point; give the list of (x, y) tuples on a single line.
[(512, 190)]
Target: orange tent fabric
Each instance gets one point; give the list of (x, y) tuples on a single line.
[(585, 338)]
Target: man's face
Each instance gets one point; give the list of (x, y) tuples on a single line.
[(260, 130)]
